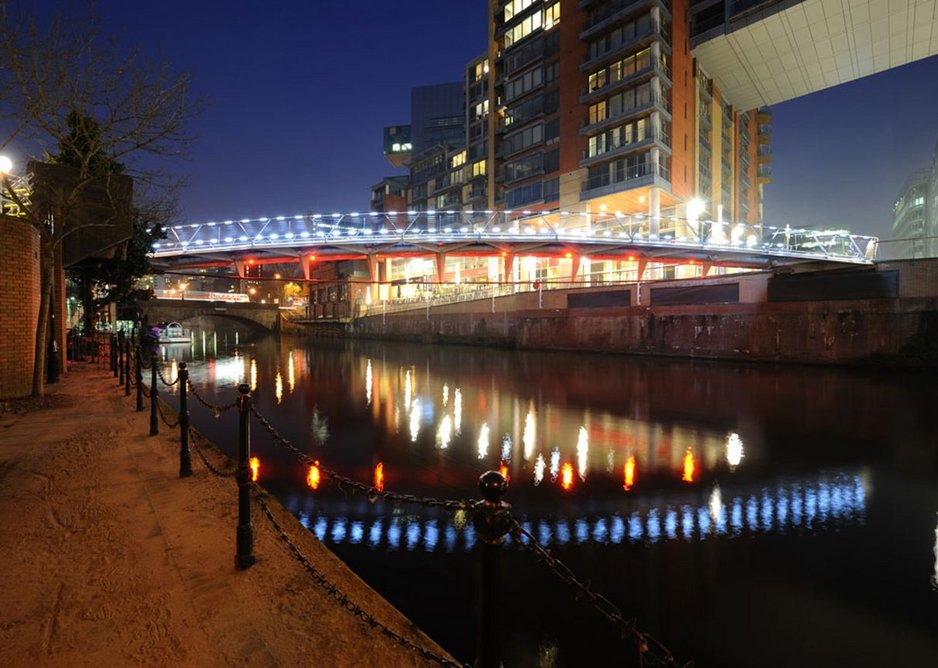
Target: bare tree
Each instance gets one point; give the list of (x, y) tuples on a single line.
[(128, 110)]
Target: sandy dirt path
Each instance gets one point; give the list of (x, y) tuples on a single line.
[(110, 559)]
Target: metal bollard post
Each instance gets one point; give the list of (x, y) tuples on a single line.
[(113, 351), (154, 394), (120, 358), (185, 461), (492, 519), (127, 368), (138, 376), (245, 537)]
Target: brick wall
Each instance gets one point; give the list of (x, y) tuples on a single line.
[(19, 306)]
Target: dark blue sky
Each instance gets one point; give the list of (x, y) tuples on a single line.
[(298, 93)]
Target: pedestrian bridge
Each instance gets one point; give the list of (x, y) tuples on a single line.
[(580, 236)]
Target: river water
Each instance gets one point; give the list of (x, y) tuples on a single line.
[(744, 515)]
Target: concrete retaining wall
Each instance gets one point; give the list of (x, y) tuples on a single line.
[(899, 331)]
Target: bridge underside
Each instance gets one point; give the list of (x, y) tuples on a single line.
[(779, 50)]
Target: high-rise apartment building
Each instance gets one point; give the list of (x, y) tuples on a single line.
[(599, 106)]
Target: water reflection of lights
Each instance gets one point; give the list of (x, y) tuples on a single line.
[(554, 464), (457, 411), (408, 388), (506, 448), (566, 476), (313, 476), (414, 420), (582, 451), (255, 465), (229, 370), (379, 476), (628, 473), (173, 371), (253, 375), (845, 503), (445, 395), (539, 466), (688, 466), (715, 503), (368, 382), (734, 450), (483, 442), (291, 372), (529, 436), (278, 387), (445, 432)]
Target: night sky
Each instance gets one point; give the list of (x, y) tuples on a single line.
[(298, 93)]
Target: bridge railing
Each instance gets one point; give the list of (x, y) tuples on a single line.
[(642, 232)]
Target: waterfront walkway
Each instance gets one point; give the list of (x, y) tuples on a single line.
[(110, 559)]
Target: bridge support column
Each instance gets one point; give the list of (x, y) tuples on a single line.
[(705, 269), (654, 212), (440, 267), (375, 278), (574, 266), (642, 263), (508, 264)]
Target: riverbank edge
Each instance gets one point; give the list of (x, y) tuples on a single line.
[(271, 614)]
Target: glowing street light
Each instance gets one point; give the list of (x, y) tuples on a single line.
[(6, 166)]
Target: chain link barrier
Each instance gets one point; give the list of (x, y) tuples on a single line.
[(216, 409), (214, 470), (345, 482), (651, 651), (171, 425), (159, 372), (342, 598)]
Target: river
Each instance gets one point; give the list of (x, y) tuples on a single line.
[(744, 515)]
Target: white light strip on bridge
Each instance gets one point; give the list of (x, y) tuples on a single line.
[(491, 226)]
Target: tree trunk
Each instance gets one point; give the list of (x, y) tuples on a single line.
[(46, 273)]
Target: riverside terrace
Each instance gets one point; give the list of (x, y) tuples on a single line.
[(639, 239)]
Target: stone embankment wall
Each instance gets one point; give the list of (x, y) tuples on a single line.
[(19, 307), (885, 315)]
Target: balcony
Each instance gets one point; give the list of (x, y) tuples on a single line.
[(618, 11), (654, 68), (634, 43), (658, 102), (765, 154), (644, 174), (658, 137)]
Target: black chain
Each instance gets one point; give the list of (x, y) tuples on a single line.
[(209, 405), (159, 372), (171, 425), (343, 599), (211, 467), (373, 492), (649, 648)]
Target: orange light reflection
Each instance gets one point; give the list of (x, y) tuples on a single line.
[(503, 469), (629, 473), (313, 477), (379, 477), (689, 466), (566, 476), (255, 465)]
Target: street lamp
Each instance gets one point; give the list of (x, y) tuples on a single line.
[(6, 166), (182, 290)]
